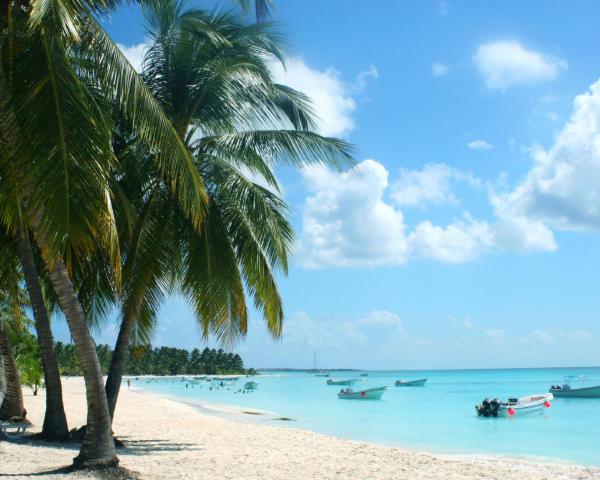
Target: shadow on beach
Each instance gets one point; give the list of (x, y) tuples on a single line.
[(141, 447)]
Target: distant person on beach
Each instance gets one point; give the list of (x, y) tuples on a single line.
[(129, 383)]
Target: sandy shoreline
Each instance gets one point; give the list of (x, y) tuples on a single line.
[(171, 440)]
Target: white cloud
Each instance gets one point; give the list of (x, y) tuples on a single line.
[(458, 242), (503, 64), (348, 223), (438, 69), (431, 184), (467, 324), (304, 329), (480, 145), (495, 333), (382, 317), (553, 335), (331, 98), (134, 53), (562, 189), (362, 79)]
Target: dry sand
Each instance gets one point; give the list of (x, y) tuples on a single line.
[(170, 440)]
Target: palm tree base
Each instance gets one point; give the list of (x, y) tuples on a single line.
[(95, 463)]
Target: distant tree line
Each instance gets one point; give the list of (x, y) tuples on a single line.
[(148, 360)]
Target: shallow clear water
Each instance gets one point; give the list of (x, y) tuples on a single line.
[(439, 417)]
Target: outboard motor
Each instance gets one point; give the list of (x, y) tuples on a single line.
[(484, 408), (494, 407), (488, 408)]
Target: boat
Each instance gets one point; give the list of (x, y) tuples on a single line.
[(568, 391), (323, 374), (514, 406), (225, 379), (411, 383), (368, 394), (364, 374), (250, 386), (190, 381), (350, 381)]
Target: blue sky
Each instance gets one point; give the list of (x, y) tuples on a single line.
[(467, 236)]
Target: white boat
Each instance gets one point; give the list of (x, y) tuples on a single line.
[(190, 381), (368, 394), (514, 406)]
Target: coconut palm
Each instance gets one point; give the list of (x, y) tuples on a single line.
[(210, 71), (55, 181), (10, 318)]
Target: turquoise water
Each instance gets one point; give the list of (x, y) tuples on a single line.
[(439, 417)]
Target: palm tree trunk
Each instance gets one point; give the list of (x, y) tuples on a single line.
[(2, 381), (98, 448), (117, 363), (13, 401), (55, 420)]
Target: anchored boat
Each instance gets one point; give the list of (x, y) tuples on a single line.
[(566, 390), (350, 381), (411, 383), (514, 406), (250, 386), (368, 394)]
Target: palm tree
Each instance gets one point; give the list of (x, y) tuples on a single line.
[(55, 421), (10, 315), (211, 73), (2, 380), (12, 407), (55, 181)]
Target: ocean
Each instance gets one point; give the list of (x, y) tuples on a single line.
[(439, 417)]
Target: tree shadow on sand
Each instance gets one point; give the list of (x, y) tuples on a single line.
[(112, 473), (142, 447)]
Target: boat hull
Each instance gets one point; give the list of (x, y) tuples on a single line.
[(411, 383), (369, 394), (584, 392), (526, 405), (251, 386), (341, 382)]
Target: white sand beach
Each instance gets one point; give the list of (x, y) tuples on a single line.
[(170, 440)]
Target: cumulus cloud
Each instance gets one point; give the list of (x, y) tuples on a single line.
[(331, 97), (438, 69), (134, 53), (459, 242), (503, 64), (347, 222), (562, 189), (431, 184), (480, 145)]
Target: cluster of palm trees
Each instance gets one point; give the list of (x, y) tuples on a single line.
[(118, 188)]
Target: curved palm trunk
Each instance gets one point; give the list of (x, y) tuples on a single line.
[(13, 401), (2, 380), (117, 363), (98, 448), (55, 420)]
